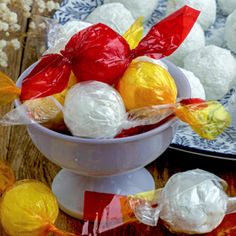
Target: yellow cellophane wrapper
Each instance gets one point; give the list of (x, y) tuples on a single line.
[(57, 123), (208, 119), (146, 84), (7, 177), (28, 208), (8, 90), (135, 33)]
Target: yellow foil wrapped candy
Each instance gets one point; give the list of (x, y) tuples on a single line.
[(29, 208), (146, 84)]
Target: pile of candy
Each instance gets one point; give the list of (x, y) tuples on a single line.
[(114, 88)]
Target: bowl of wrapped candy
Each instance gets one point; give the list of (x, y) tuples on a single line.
[(106, 106)]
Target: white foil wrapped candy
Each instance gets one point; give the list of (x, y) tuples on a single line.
[(232, 109), (216, 69), (192, 202), (115, 15), (94, 110), (197, 89), (228, 6), (59, 35), (138, 7), (230, 31)]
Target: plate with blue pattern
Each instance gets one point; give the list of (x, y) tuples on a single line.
[(224, 147)]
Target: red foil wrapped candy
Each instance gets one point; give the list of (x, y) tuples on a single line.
[(99, 53)]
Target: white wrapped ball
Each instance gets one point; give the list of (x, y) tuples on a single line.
[(59, 35), (227, 6), (230, 31), (194, 41), (232, 109), (207, 8), (197, 89), (193, 202), (151, 60), (94, 110), (216, 69), (138, 7), (115, 15)]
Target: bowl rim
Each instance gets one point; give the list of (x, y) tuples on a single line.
[(75, 139)]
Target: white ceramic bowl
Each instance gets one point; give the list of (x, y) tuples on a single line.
[(108, 157)]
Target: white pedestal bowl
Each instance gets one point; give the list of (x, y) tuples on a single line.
[(110, 165)]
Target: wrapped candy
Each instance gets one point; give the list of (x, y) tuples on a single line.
[(146, 84), (114, 15), (28, 207), (94, 109), (43, 110), (59, 35), (99, 53), (192, 202), (216, 69)]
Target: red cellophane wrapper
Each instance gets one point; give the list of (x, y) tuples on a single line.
[(99, 53)]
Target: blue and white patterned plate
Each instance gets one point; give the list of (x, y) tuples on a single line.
[(224, 147)]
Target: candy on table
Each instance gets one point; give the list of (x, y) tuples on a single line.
[(191, 202), (197, 89), (228, 6), (138, 7), (59, 35), (28, 207), (216, 69), (207, 8), (194, 41), (114, 15), (230, 29), (94, 109), (104, 56)]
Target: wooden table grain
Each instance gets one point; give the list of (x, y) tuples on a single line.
[(27, 162)]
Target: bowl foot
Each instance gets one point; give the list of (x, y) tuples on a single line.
[(69, 187)]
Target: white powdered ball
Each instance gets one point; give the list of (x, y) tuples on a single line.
[(227, 6), (138, 7), (197, 89), (194, 41), (232, 109), (115, 15), (193, 202), (216, 69), (94, 110), (207, 8), (59, 35), (230, 31)]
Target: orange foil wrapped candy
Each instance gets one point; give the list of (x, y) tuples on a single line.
[(99, 53), (146, 84)]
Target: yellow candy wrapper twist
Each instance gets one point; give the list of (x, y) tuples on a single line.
[(207, 119), (146, 84), (28, 207)]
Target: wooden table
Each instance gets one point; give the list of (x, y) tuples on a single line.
[(27, 162)]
